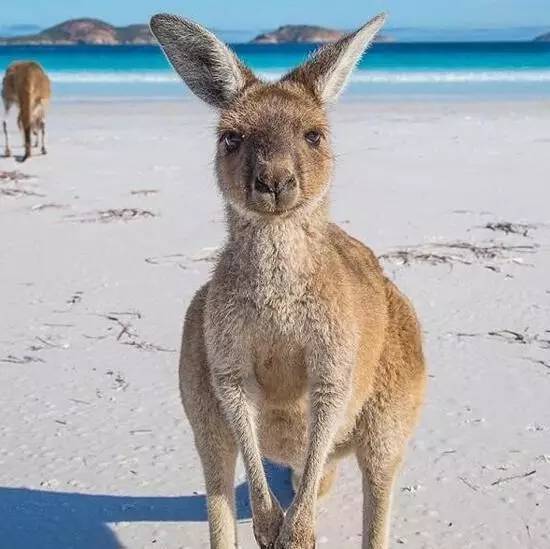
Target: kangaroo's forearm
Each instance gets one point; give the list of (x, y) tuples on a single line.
[(238, 412), (328, 403)]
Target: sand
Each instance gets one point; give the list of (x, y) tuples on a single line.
[(106, 242)]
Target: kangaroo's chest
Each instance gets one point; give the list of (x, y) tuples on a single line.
[(279, 304), (269, 304), (281, 401), (280, 371), (278, 293)]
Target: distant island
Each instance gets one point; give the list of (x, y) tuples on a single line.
[(304, 34), (85, 31), (90, 31), (96, 32)]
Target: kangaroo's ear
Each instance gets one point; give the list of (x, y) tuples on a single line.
[(327, 71), (207, 65)]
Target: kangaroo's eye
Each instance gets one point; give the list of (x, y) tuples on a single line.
[(313, 137), (232, 141)]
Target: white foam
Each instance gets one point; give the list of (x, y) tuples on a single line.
[(113, 77), (425, 77), (436, 77), (361, 76)]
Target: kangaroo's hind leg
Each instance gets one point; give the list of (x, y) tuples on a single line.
[(218, 455), (213, 437), (381, 444), (379, 471)]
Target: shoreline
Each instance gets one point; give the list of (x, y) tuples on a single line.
[(379, 99)]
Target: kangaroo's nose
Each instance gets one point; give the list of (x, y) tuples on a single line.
[(274, 185)]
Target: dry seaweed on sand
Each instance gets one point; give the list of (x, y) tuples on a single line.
[(209, 255), (488, 255), (410, 256), (170, 259), (507, 227), (25, 359), (47, 206), (539, 361), (12, 187), (146, 346), (144, 192), (47, 343), (513, 477), (13, 176), (113, 214), (525, 338), (134, 314), (488, 251), (127, 335), (468, 483), (18, 191), (512, 336)]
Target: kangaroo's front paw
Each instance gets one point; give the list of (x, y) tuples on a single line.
[(267, 524)]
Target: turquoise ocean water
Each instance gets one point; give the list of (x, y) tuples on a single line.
[(498, 69)]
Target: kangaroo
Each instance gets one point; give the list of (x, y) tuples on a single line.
[(26, 84), (298, 349)]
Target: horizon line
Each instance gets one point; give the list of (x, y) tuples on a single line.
[(482, 28)]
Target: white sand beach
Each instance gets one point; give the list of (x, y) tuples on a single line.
[(106, 240)]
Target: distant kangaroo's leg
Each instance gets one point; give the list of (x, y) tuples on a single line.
[(331, 384), (43, 134), (27, 138), (379, 471), (7, 151)]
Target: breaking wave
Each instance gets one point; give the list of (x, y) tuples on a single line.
[(361, 76)]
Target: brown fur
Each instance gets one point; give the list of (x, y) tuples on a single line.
[(27, 85), (298, 349)]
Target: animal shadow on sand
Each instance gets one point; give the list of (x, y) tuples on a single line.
[(37, 519), (20, 158)]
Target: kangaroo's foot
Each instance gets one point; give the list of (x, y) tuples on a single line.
[(297, 532), (267, 524)]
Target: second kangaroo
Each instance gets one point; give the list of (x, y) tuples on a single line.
[(27, 85), (299, 349)]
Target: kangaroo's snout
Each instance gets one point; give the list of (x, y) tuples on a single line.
[(275, 186)]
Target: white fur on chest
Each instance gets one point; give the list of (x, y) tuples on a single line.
[(273, 271)]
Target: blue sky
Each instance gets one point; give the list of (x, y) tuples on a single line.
[(266, 14)]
